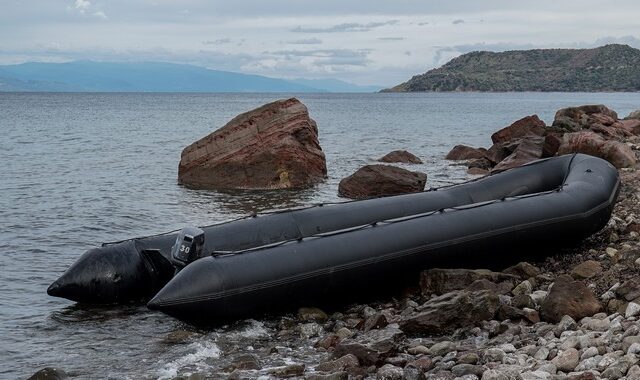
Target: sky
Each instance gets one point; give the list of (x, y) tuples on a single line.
[(360, 41)]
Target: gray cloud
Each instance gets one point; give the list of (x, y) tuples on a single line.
[(345, 27), (220, 41), (458, 21), (391, 38), (334, 57), (306, 41)]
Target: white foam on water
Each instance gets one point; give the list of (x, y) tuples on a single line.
[(191, 362), (254, 330)]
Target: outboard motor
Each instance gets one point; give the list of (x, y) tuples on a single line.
[(187, 248)]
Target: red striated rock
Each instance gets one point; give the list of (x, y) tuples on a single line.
[(632, 126), (529, 125), (617, 153), (569, 297), (274, 146), (477, 171), (463, 152), (400, 156), (528, 150), (601, 118), (381, 180), (609, 132)]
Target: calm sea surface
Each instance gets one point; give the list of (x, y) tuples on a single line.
[(80, 169)]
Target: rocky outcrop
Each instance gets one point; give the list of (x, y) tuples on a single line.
[(271, 147), (49, 373), (400, 156), (439, 281), (450, 311), (617, 153), (573, 119), (569, 297), (381, 180), (464, 152), (529, 125), (529, 149)]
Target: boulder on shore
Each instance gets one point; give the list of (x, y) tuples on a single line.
[(569, 297), (529, 149), (576, 118), (381, 180), (529, 125), (464, 152), (617, 153), (274, 146), (400, 156)]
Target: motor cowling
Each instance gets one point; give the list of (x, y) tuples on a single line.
[(188, 247)]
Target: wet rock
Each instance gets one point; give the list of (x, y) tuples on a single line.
[(328, 341), (477, 171), (389, 372), (460, 370), (442, 348), (567, 360), (413, 373), (569, 297), (49, 373), (381, 180), (629, 290), (423, 363), (375, 321), (528, 150), (529, 125), (617, 153), (274, 146), (178, 337), (372, 347), (523, 270), (312, 314), (523, 300), (400, 156), (494, 354), (342, 375), (463, 152), (440, 281), (450, 311), (523, 288), (342, 363), (468, 358), (291, 370), (588, 269), (244, 362), (566, 324), (309, 330)]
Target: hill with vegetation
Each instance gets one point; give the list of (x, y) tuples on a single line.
[(605, 68)]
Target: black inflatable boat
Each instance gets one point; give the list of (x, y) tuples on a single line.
[(134, 270), (493, 220)]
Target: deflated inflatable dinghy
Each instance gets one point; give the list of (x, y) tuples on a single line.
[(134, 270), (541, 204)]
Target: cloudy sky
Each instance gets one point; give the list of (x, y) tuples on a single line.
[(361, 41)]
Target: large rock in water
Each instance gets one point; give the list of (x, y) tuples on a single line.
[(529, 149), (274, 146), (617, 153), (576, 118), (381, 180), (400, 156)]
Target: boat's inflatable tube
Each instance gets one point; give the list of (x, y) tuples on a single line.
[(538, 205), (134, 270)]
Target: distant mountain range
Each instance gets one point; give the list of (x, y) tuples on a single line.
[(152, 77), (606, 68)]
